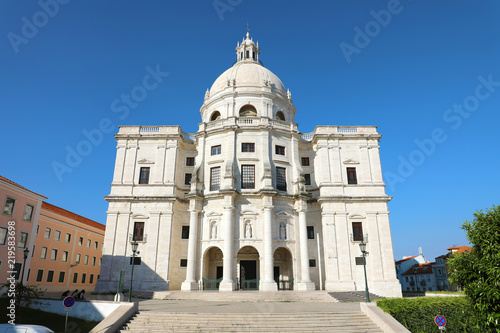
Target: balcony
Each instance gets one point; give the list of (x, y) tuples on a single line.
[(247, 122)]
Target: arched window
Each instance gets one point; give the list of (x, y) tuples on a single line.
[(280, 115), (215, 116), (248, 111)]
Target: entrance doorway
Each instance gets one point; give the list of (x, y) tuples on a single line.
[(283, 271), (212, 268), (248, 260)]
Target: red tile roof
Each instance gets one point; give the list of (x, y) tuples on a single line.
[(460, 248), (68, 214), (21, 187), (425, 268)]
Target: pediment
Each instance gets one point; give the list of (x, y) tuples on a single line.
[(145, 161), (248, 212), (356, 216), (140, 216), (350, 161), (283, 214)]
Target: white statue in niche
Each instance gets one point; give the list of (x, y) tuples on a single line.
[(214, 231), (282, 231), (248, 230)]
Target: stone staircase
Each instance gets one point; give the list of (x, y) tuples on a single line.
[(345, 321), (352, 296)]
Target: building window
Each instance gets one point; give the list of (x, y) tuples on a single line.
[(144, 175), (187, 178), (406, 278), (359, 261), (88, 243), (248, 147), (100, 262), (184, 262), (310, 232), (3, 236), (138, 232), (78, 257), (91, 280), (67, 239), (33, 251), (96, 245), (215, 179), (281, 179), (65, 256), (39, 275), (50, 276), (43, 253), (190, 161), (216, 150), (280, 150), (61, 276), (307, 178), (86, 260), (312, 262), (75, 278), (28, 212), (53, 254), (93, 261), (80, 241), (17, 270), (46, 235), (84, 277), (351, 176), (137, 261), (305, 161), (185, 232), (8, 208), (57, 236), (37, 229), (23, 239), (247, 176), (357, 231)]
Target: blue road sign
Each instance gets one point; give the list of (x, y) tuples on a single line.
[(69, 301), (440, 321)]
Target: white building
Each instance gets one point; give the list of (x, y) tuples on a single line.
[(248, 201)]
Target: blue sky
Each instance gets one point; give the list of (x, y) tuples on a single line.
[(426, 73)]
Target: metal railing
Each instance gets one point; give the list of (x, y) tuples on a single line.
[(211, 284)]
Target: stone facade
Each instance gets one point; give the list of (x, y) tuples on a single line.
[(249, 202)]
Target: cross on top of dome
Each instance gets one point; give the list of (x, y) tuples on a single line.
[(247, 51)]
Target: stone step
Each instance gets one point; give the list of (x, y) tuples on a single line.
[(352, 296)]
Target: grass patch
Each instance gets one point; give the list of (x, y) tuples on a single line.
[(51, 320)]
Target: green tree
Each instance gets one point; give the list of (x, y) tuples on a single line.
[(478, 272)]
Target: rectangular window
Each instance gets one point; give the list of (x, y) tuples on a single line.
[(137, 261), (281, 179), (216, 150), (100, 262), (39, 275), (17, 269), (37, 229), (91, 280), (307, 178), (138, 231), (86, 260), (46, 235), (28, 212), (65, 256), (84, 277), (3, 236), (78, 257), (80, 241), (67, 239), (184, 262), (187, 178), (88, 243), (280, 150), (33, 251), (61, 276), (53, 254), (28, 275), (190, 161), (351, 176), (305, 161), (50, 276), (312, 262), (23, 240), (248, 147), (8, 208), (96, 245), (93, 261), (248, 176), (215, 179), (310, 232), (57, 235), (185, 232), (43, 253), (359, 261), (357, 231), (75, 278), (144, 175)]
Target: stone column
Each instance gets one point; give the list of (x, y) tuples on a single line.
[(305, 281), (227, 283), (267, 283), (190, 282)]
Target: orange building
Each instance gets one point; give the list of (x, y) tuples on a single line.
[(18, 222), (67, 252)]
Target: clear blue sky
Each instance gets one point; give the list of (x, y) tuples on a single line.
[(409, 71)]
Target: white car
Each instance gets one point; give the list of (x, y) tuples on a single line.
[(8, 328)]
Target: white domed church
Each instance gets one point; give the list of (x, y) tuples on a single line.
[(248, 201)]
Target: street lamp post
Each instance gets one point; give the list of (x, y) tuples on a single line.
[(26, 252), (134, 251), (362, 247)]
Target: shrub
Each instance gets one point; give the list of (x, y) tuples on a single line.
[(417, 314)]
